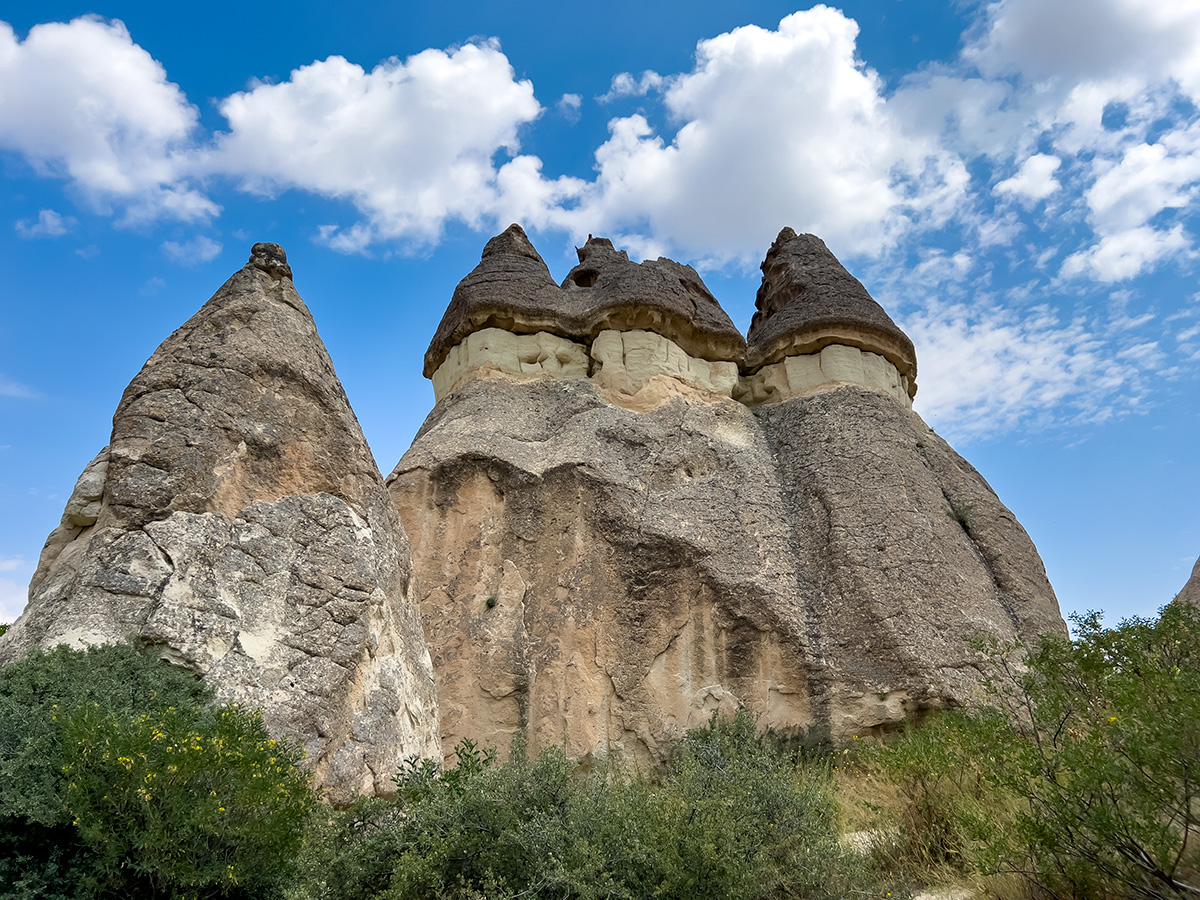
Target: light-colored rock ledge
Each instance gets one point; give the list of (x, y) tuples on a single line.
[(803, 374), (513, 354), (626, 361)]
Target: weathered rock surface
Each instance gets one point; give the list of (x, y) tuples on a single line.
[(1191, 590), (602, 558), (910, 552), (600, 576), (238, 520)]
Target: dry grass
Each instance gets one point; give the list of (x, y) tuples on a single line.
[(878, 816)]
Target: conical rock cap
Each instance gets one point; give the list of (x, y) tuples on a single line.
[(807, 300), (658, 295), (512, 289)]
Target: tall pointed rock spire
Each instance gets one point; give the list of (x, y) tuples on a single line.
[(238, 521)]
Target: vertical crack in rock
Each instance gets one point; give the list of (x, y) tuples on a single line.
[(238, 521)]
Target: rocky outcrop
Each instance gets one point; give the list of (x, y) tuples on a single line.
[(238, 521), (613, 539), (1191, 590), (808, 301)]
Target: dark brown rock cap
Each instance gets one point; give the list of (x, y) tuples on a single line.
[(807, 300), (271, 258), (511, 288), (658, 295)]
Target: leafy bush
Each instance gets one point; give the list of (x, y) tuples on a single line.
[(730, 818), (1088, 764), (119, 778)]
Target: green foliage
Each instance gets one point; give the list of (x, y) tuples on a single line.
[(730, 818), (945, 803), (37, 692), (119, 778), (198, 801), (1088, 764)]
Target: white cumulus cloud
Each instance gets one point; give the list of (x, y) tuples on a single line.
[(83, 102), (1034, 180), (1148, 179), (198, 250), (1046, 40), (409, 144), (773, 127), (1126, 254), (569, 107), (625, 85), (49, 224)]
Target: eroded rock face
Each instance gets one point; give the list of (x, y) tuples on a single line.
[(238, 521), (599, 576), (1191, 590), (603, 556), (910, 552)]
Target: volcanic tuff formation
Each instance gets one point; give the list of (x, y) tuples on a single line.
[(623, 518), (238, 521), (1191, 590)]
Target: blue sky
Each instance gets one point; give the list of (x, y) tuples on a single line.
[(1014, 181)]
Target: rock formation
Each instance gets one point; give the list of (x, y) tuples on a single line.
[(1191, 590), (623, 518), (623, 515), (238, 521)]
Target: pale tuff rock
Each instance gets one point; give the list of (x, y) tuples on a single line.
[(602, 561), (808, 301), (807, 373), (1191, 590), (497, 350), (623, 361), (626, 361), (237, 520)]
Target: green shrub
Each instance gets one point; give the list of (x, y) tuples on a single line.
[(1089, 760), (119, 778), (730, 818)]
